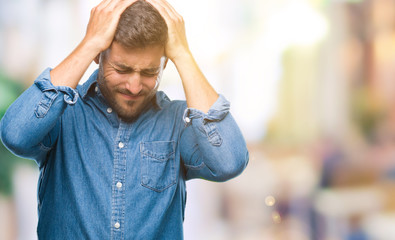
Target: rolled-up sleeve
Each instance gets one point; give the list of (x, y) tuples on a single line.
[(212, 145), (30, 126)]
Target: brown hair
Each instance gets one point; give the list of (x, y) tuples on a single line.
[(140, 26)]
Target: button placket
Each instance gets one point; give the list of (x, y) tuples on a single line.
[(118, 179)]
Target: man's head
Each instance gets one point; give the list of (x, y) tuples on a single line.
[(130, 69), (141, 26)]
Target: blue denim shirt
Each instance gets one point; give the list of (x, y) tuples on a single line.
[(101, 178)]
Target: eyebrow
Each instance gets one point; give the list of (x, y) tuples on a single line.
[(128, 68)]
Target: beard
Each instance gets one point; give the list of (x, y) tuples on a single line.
[(127, 110)]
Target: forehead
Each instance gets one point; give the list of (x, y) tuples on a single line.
[(137, 58)]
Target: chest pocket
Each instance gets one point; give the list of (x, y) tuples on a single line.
[(158, 165)]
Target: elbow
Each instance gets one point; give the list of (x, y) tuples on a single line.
[(13, 140), (232, 167), (10, 142)]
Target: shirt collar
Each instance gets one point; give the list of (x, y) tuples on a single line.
[(89, 84)]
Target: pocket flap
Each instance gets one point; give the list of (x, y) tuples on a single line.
[(160, 150)]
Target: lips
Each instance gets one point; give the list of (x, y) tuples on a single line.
[(130, 97)]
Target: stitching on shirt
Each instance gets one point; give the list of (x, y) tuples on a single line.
[(198, 167), (215, 138), (159, 190), (44, 148), (45, 104), (212, 134)]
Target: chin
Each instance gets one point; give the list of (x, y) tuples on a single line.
[(129, 111), (130, 114)]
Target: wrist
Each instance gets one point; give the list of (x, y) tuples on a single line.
[(183, 57), (70, 70), (88, 48)]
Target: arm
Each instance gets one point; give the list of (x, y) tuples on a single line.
[(198, 91), (212, 146), (99, 36), (30, 126)]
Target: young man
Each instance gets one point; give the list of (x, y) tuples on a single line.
[(114, 154)]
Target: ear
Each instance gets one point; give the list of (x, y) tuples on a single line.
[(97, 59), (164, 66)]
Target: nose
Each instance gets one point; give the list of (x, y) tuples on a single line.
[(134, 84)]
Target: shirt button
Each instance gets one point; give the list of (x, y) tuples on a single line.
[(96, 89), (121, 145), (119, 184), (187, 119), (109, 110), (117, 225)]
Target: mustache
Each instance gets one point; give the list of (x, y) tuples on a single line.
[(127, 92), (143, 92)]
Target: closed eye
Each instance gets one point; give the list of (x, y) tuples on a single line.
[(122, 71), (149, 73)]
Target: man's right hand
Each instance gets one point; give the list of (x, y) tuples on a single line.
[(99, 35), (103, 23)]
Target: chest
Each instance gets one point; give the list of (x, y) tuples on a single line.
[(140, 154)]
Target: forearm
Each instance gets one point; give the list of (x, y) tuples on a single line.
[(70, 71), (99, 36), (198, 91)]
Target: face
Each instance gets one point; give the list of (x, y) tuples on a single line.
[(128, 78)]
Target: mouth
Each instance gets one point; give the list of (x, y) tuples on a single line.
[(130, 97)]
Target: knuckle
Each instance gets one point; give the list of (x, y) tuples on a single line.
[(180, 20)]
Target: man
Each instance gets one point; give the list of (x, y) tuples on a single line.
[(114, 154)]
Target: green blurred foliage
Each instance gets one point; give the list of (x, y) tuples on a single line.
[(9, 91)]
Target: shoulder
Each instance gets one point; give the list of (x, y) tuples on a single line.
[(164, 102)]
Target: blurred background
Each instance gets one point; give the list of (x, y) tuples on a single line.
[(311, 86)]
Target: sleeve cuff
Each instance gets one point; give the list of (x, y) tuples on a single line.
[(43, 82), (216, 113), (50, 93)]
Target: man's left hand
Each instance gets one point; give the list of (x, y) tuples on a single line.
[(177, 45)]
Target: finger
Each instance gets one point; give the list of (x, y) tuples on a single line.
[(99, 6), (123, 5), (170, 9), (103, 4), (162, 10), (120, 5), (112, 4)]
